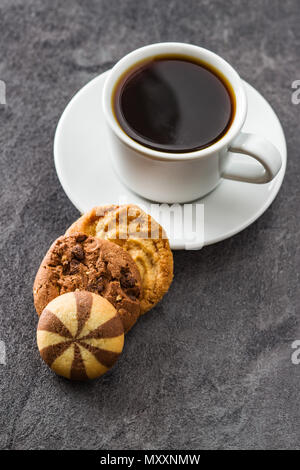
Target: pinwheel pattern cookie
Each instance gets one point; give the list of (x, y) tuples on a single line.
[(80, 335), (142, 237)]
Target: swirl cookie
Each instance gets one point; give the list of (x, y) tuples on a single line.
[(80, 335), (79, 262), (142, 237)]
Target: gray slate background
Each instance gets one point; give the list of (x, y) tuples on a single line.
[(210, 367)]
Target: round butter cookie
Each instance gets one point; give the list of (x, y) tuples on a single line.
[(79, 262), (142, 237), (80, 335)]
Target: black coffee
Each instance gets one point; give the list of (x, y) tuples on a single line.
[(173, 104)]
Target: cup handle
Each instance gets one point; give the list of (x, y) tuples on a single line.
[(258, 148)]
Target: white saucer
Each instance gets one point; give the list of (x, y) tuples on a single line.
[(84, 170)]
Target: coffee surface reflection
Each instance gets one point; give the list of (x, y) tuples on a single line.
[(173, 104)]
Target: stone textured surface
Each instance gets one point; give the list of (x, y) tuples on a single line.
[(210, 367)]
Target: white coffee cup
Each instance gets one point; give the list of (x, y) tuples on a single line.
[(183, 177)]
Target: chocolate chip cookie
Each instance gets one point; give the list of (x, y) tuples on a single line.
[(81, 262), (80, 335), (142, 237)]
